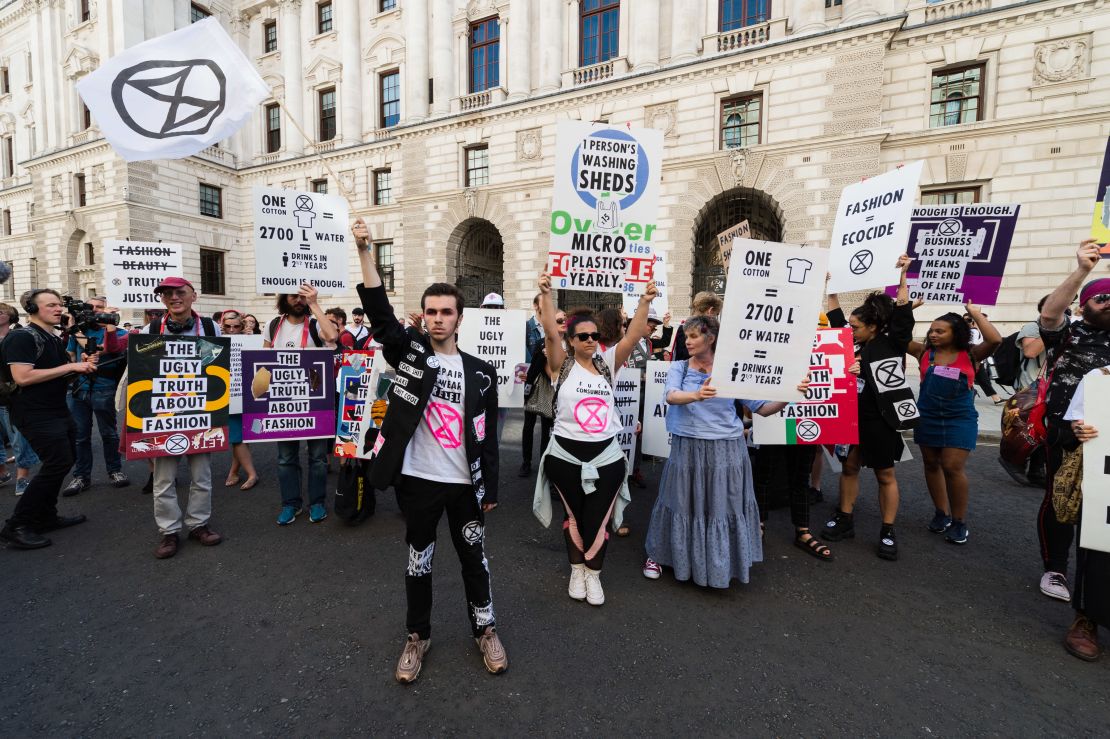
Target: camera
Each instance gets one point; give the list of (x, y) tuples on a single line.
[(85, 317)]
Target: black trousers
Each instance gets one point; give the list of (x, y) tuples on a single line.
[(586, 516), (54, 440), (788, 464), (423, 503), (530, 432), (1055, 537)]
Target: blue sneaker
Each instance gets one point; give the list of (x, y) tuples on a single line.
[(21, 484), (317, 512), (288, 515), (940, 523), (957, 533)]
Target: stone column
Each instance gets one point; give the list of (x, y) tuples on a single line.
[(645, 36), (289, 41), (53, 115), (350, 93), (684, 31), (519, 50), (415, 92), (38, 61), (443, 61), (551, 45)]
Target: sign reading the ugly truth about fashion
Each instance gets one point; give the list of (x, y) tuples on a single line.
[(605, 208), (959, 252), (724, 241), (1094, 529), (178, 390), (829, 414), (299, 237), (497, 336), (288, 394), (656, 438), (132, 269), (626, 401), (1100, 223), (871, 230), (772, 303)]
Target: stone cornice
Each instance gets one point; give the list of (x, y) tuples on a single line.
[(996, 127), (12, 16), (993, 19)]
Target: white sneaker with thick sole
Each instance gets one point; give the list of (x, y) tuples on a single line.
[(652, 570), (1055, 585), (595, 596), (577, 587)]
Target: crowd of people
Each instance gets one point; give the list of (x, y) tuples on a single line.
[(60, 376)]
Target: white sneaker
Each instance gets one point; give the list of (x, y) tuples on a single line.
[(1055, 585), (652, 570), (595, 596), (577, 587)]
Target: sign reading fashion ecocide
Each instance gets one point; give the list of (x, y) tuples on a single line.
[(299, 237), (132, 269), (605, 207)]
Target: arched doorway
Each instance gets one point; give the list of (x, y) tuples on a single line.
[(574, 299), (476, 260), (722, 213)]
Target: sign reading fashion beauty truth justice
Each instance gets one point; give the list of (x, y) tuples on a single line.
[(829, 413), (299, 237), (772, 303), (626, 402), (132, 269), (871, 230), (498, 336), (605, 207), (288, 394), (1100, 223), (1094, 529), (239, 342), (178, 389), (724, 241), (656, 438)]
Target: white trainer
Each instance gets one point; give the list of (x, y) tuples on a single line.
[(577, 587), (1055, 585), (595, 596)]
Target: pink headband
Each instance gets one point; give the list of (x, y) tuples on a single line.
[(1093, 288)]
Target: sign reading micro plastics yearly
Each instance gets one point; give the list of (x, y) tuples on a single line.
[(829, 414), (656, 438), (288, 394), (871, 230), (1100, 223), (772, 304), (605, 207), (626, 401), (132, 269), (959, 252), (178, 389), (299, 237), (498, 337)]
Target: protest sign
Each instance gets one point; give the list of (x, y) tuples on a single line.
[(626, 402), (178, 389), (356, 358), (724, 240), (656, 439), (351, 428), (497, 336), (132, 269), (661, 304), (288, 394), (299, 237), (239, 342), (1100, 223), (605, 207), (1095, 526), (772, 303), (829, 413), (871, 230)]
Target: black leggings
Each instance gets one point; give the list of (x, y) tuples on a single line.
[(530, 433), (790, 463), (983, 380), (586, 516)]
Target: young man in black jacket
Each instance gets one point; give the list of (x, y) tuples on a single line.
[(438, 448)]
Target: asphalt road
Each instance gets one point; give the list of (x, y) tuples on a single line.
[(295, 631)]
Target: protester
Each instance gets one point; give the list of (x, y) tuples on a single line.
[(300, 323), (36, 358), (232, 324), (705, 303), (359, 333), (949, 424), (638, 359), (533, 331), (537, 376), (661, 344), (435, 448), (983, 368), (338, 317), (882, 329), (250, 325), (584, 462), (1033, 359), (24, 456)]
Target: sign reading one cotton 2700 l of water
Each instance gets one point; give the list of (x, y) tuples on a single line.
[(605, 207), (299, 237)]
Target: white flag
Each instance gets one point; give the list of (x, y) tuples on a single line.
[(174, 95)]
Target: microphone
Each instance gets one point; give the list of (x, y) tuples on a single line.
[(5, 272)]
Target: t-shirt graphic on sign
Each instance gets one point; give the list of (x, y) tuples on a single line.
[(438, 448), (798, 269)]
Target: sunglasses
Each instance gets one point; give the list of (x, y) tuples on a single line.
[(560, 320), (593, 336), (1100, 299)]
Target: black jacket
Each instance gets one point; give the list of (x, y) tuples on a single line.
[(409, 351)]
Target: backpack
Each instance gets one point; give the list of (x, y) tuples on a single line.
[(354, 496), (1008, 360), (312, 332), (8, 387)]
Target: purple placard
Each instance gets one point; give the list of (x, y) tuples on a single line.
[(288, 394), (959, 252)]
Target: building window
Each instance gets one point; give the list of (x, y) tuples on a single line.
[(273, 128), (86, 117), (390, 89), (477, 166), (384, 5), (598, 29), (950, 196), (833, 3), (320, 186), (211, 201), (7, 222), (5, 81), (383, 187), (327, 115), (739, 13), (197, 13), (269, 36), (323, 18), (86, 11), (485, 53), (90, 254), (79, 189), (957, 96), (740, 121), (383, 258), (7, 151), (211, 272)]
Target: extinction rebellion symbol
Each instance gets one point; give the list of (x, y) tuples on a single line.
[(808, 430), (160, 99)]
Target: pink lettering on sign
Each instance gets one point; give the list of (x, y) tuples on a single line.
[(592, 415), (445, 423)]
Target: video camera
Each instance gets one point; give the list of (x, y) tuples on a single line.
[(85, 317)]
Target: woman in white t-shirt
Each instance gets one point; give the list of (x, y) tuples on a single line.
[(584, 463)]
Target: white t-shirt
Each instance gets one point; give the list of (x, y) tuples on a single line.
[(586, 410), (358, 332), (1075, 407), (437, 450), (291, 335)]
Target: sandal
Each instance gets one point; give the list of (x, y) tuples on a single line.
[(813, 547), (250, 483), (231, 481)]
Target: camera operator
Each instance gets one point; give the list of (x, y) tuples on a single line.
[(95, 395), (38, 363)]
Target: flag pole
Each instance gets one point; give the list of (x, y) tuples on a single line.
[(339, 181)]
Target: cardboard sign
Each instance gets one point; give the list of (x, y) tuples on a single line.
[(239, 342), (661, 304), (288, 394), (132, 269), (772, 304), (353, 421), (724, 241), (605, 207), (498, 336), (871, 230), (1095, 526), (656, 438), (959, 252), (1100, 223), (829, 413), (626, 402), (299, 237), (178, 389)]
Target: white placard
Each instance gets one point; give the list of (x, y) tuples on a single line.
[(132, 269), (626, 399), (656, 439), (239, 342), (724, 241), (1095, 526), (872, 229), (772, 304), (661, 304), (498, 336), (299, 237)]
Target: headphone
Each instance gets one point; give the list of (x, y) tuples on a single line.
[(30, 305)]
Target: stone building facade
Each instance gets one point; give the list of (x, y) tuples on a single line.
[(436, 118)]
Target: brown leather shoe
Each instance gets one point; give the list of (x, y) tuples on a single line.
[(493, 652), (412, 659), (167, 548), (205, 536), (1082, 639)]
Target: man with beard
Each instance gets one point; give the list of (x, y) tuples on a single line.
[(294, 329)]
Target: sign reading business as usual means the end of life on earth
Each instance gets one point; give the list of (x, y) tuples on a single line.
[(772, 302), (132, 269), (605, 207), (288, 394), (299, 237)]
